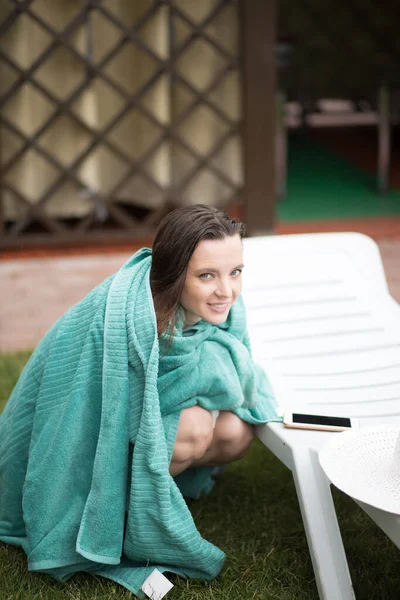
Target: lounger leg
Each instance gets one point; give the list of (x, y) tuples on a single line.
[(322, 529), (388, 522)]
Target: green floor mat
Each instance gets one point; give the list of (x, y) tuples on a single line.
[(323, 185)]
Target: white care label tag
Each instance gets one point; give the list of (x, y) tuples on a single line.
[(156, 585)]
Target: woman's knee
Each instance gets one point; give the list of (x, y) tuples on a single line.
[(233, 435), (195, 434)]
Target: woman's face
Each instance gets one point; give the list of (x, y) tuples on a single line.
[(213, 280)]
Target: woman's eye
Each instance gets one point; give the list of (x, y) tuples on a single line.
[(236, 272), (205, 276)]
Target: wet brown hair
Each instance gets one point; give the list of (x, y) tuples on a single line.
[(177, 237)]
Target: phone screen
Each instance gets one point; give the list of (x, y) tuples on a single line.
[(321, 420)]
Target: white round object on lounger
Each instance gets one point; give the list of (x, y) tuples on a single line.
[(365, 464)]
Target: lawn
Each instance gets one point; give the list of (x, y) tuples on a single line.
[(253, 515)]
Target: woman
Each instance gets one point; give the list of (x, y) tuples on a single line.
[(197, 264), (125, 407)]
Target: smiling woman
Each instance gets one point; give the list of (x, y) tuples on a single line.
[(125, 407), (213, 280)]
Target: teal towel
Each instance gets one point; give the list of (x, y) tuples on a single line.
[(87, 435)]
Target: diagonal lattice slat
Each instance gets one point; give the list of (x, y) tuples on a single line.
[(121, 109)]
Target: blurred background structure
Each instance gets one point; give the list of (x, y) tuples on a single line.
[(114, 111)]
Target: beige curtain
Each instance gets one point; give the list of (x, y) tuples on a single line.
[(167, 168)]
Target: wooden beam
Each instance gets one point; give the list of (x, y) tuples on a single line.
[(259, 93)]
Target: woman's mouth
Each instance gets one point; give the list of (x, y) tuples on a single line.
[(219, 307)]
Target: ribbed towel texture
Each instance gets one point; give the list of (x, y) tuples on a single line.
[(87, 435)]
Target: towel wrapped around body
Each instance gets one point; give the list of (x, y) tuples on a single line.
[(87, 435)]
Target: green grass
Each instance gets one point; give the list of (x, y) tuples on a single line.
[(11, 366), (253, 515)]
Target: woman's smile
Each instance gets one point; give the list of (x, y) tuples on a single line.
[(219, 307)]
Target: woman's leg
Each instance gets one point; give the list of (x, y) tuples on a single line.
[(231, 440), (198, 444), (193, 438)]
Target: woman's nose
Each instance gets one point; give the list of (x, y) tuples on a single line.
[(224, 288)]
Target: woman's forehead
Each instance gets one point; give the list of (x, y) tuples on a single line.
[(229, 251)]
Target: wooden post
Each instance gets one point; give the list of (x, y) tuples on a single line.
[(259, 99), (384, 126)]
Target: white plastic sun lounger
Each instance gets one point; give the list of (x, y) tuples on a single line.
[(324, 327)]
